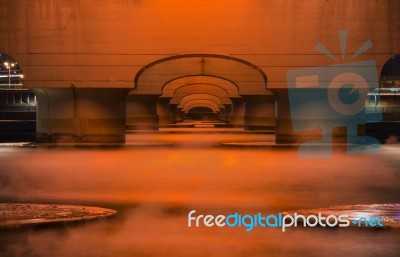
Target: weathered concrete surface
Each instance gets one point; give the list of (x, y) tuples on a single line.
[(141, 112), (259, 112), (96, 44), (80, 115), (104, 44)]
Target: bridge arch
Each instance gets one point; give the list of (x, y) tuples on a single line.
[(171, 86), (216, 99), (163, 83), (249, 78)]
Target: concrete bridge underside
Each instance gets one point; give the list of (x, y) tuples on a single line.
[(100, 67), (226, 83)]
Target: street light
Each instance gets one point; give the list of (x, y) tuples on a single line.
[(8, 66)]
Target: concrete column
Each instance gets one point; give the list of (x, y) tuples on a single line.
[(237, 119), (80, 115), (259, 112), (163, 111), (141, 112), (180, 115), (173, 118), (228, 113), (314, 119), (283, 122)]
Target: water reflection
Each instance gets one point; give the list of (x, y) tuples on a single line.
[(153, 189), (389, 213)]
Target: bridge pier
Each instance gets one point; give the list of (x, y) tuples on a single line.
[(259, 112), (237, 119), (142, 112), (80, 115), (163, 112), (309, 122)]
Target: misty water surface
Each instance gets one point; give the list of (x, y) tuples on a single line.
[(154, 188)]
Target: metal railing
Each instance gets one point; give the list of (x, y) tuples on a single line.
[(16, 97), (385, 109)]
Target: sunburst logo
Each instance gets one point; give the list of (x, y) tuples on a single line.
[(326, 97), (343, 42)]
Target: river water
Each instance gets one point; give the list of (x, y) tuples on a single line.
[(153, 188)]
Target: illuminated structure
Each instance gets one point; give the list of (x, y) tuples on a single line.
[(226, 57), (15, 102), (10, 72)]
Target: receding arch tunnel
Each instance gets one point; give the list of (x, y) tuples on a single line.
[(139, 58), (105, 113), (188, 105), (165, 90), (219, 100), (201, 107), (228, 86), (203, 114), (249, 78)]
